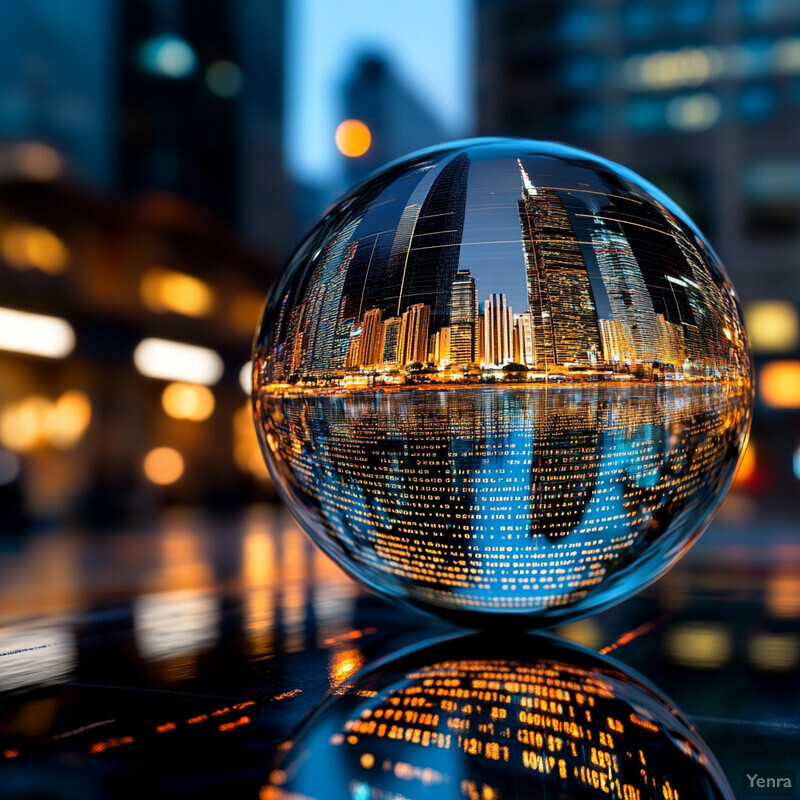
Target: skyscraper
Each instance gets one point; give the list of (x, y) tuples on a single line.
[(498, 330), (523, 340), (390, 354), (560, 297), (440, 347), (627, 293), (416, 323), (463, 319), (371, 338), (324, 301), (617, 344), (422, 271)]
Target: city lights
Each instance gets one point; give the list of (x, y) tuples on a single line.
[(246, 377), (167, 56), (772, 325), (188, 401), (701, 645), (35, 334), (168, 290), (224, 79), (779, 384), (353, 138), (37, 161), (25, 246), (175, 361), (163, 466)]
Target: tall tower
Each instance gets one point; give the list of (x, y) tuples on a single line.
[(324, 301), (390, 353), (523, 331), (372, 338), (463, 318), (560, 296), (414, 334), (498, 330), (423, 271), (627, 292)]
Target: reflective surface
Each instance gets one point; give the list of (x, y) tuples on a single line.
[(503, 380), (479, 717), (173, 660)]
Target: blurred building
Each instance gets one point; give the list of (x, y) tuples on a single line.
[(398, 120), (147, 95), (702, 97)]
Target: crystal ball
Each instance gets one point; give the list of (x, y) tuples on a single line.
[(527, 717), (503, 381)]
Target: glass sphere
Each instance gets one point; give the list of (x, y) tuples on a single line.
[(530, 716), (503, 380)]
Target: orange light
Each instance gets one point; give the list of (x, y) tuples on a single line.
[(780, 384), (188, 401), (163, 465), (773, 325), (353, 138), (71, 417), (168, 290), (748, 466), (26, 246)]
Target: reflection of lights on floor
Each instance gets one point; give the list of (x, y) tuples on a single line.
[(35, 655), (702, 645), (178, 623), (782, 594), (343, 664), (796, 463), (774, 651)]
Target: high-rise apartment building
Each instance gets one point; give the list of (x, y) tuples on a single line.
[(498, 330)]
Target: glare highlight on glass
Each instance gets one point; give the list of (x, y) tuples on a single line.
[(163, 466), (188, 401), (35, 334), (503, 379), (175, 361), (536, 718), (353, 138), (246, 377), (168, 290)]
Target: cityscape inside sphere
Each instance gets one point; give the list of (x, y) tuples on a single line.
[(503, 380)]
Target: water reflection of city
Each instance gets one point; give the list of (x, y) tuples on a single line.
[(459, 495), (486, 719)]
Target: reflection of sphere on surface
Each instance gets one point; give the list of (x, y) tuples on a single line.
[(503, 379), (539, 718)]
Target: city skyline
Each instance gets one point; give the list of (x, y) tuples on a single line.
[(612, 282)]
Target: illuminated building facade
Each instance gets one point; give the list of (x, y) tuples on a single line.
[(498, 331), (371, 351), (630, 301), (463, 319), (390, 353), (560, 298), (414, 327)]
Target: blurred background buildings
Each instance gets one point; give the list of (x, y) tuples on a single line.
[(159, 158)]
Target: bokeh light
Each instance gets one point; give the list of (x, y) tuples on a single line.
[(176, 361), (36, 421), (224, 79), (779, 384), (353, 138), (188, 401), (772, 325), (35, 334), (169, 290), (167, 56), (163, 466), (25, 246)]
